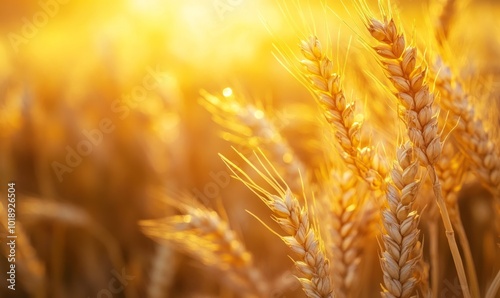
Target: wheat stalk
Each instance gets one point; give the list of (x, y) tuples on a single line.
[(416, 100), (303, 238), (35, 209), (162, 272), (445, 19), (495, 285), (451, 172), (203, 234), (340, 113), (30, 266)]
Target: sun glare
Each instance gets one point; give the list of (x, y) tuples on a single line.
[(227, 92), (146, 6), (249, 148)]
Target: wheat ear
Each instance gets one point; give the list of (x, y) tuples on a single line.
[(470, 134), (303, 238), (203, 234), (250, 126), (348, 229), (417, 101), (402, 251), (340, 113)]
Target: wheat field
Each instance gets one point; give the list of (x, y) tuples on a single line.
[(236, 148)]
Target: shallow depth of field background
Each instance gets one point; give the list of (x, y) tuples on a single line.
[(66, 77)]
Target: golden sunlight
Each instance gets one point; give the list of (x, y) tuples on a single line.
[(249, 148)]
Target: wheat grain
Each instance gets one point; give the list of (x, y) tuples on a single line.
[(474, 141), (248, 125), (349, 229), (401, 234), (303, 238), (470, 134), (416, 100), (203, 234), (341, 114)]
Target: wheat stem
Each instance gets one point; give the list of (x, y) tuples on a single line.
[(434, 255), (495, 285), (162, 272), (451, 172), (469, 261), (31, 268), (450, 234), (445, 20)]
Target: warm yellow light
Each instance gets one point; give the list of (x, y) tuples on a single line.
[(287, 158), (145, 5), (198, 16), (258, 114), (227, 92)]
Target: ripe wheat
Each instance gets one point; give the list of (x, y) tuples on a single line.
[(417, 111), (203, 234), (303, 238)]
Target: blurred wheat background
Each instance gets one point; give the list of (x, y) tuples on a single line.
[(113, 115)]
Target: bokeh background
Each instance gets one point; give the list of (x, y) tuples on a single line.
[(68, 72)]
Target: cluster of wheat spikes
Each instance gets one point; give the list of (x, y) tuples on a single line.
[(363, 194)]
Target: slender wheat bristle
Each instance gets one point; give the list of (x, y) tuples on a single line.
[(413, 94), (402, 250), (341, 114), (250, 149), (203, 234), (303, 238)]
